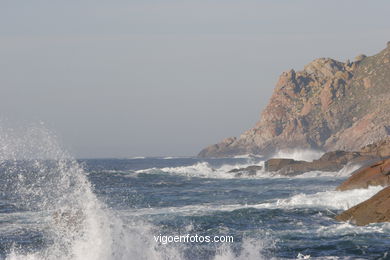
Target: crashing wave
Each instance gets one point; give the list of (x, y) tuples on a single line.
[(298, 154)]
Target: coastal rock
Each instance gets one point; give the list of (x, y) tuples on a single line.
[(224, 145), (329, 105), (375, 174), (374, 210), (331, 161), (273, 165), (247, 171), (381, 148)]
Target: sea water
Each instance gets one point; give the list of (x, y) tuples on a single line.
[(55, 207)]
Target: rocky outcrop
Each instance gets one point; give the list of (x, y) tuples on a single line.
[(373, 175), (381, 148), (277, 164), (375, 155), (377, 208), (331, 161), (247, 171), (374, 210), (329, 105)]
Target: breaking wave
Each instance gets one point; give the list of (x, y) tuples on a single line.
[(340, 200), (205, 170), (49, 185), (252, 249), (331, 200), (299, 154), (346, 171), (54, 193), (46, 181)]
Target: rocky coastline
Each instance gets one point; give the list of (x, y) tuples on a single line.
[(329, 105), (340, 108), (374, 171)]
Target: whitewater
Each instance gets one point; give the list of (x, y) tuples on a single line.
[(53, 206)]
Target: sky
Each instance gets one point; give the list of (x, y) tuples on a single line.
[(165, 78)]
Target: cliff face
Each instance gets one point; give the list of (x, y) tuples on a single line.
[(329, 105)]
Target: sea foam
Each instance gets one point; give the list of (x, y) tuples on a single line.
[(205, 170), (52, 187), (298, 154), (47, 181)]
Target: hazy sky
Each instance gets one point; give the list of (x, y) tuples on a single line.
[(126, 78)]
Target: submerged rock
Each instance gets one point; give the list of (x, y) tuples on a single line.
[(248, 171), (375, 174), (374, 210), (276, 164)]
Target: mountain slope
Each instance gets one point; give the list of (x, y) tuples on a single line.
[(328, 105)]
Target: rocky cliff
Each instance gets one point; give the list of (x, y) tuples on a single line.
[(329, 105)]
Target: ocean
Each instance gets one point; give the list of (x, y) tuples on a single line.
[(55, 207)]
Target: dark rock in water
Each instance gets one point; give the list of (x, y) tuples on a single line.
[(249, 171), (331, 161), (299, 167), (276, 164), (375, 174), (374, 210)]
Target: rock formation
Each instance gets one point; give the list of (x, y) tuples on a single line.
[(247, 171), (374, 210), (334, 161), (329, 105), (373, 175), (377, 208), (330, 161), (381, 148)]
